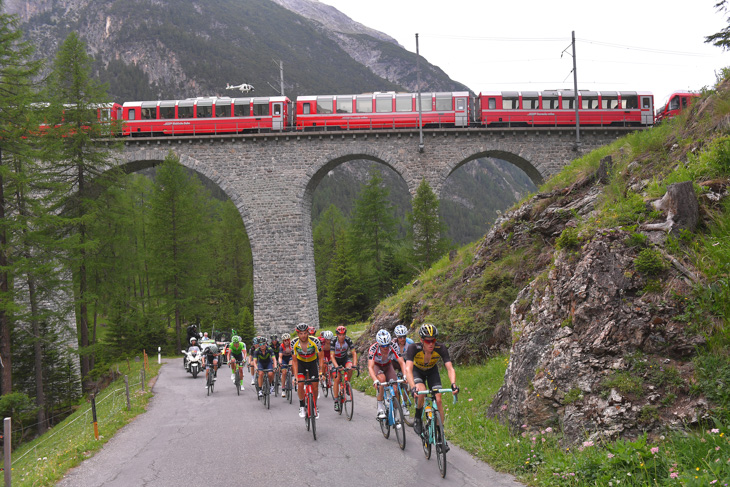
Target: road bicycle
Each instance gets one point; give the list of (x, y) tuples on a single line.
[(310, 406), (345, 397), (266, 388), (326, 381), (406, 400), (210, 380), (277, 380), (433, 429), (394, 412), (237, 370), (287, 387)]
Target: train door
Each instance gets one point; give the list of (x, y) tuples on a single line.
[(277, 116), (461, 109), (647, 110)]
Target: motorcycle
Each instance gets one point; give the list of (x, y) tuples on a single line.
[(193, 362)]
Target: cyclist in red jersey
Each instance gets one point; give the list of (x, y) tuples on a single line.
[(381, 356)]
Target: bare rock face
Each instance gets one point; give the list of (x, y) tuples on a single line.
[(586, 340)]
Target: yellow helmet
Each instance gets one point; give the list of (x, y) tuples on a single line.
[(428, 330)]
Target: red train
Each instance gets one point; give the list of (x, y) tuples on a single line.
[(677, 101), (213, 115)]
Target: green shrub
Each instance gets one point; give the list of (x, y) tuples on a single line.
[(649, 262), (624, 382), (568, 239), (572, 396), (637, 240)]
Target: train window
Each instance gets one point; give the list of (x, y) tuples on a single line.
[(383, 104), (261, 108), (568, 103), (344, 104), (444, 103), (324, 105), (403, 103), (549, 103), (492, 103), (427, 102), (204, 111), (167, 112), (629, 102), (184, 111), (529, 103), (589, 103), (510, 103), (609, 102), (132, 114), (106, 114), (277, 109), (306, 108), (241, 109), (149, 113), (364, 104), (674, 103), (119, 113), (223, 110)]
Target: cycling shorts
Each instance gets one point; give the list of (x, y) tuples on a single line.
[(431, 377), (286, 359), (264, 364), (307, 370), (387, 370), (342, 361), (237, 356), (326, 355)]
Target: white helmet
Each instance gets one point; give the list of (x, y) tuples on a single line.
[(400, 331), (328, 335), (383, 337)]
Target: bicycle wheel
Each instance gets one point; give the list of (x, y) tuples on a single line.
[(208, 381), (277, 385), (323, 384), (311, 411), (287, 386), (385, 426), (406, 402), (440, 443), (424, 439), (267, 394), (400, 429), (348, 403)]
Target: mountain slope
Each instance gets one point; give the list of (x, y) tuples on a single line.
[(184, 48)]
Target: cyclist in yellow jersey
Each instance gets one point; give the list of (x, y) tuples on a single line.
[(422, 367), (308, 362)]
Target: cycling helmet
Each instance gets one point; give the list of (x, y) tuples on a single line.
[(302, 327), (328, 335), (213, 348), (235, 339), (341, 329), (255, 340), (274, 337), (312, 330), (428, 330), (193, 339), (383, 338), (285, 337), (400, 331)]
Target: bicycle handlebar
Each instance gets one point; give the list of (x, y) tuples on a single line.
[(433, 393)]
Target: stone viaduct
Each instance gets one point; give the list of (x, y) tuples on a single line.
[(271, 179)]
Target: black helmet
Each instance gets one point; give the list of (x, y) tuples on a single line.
[(213, 348), (274, 337), (302, 327), (428, 330)]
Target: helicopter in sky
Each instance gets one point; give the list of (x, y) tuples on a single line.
[(244, 87)]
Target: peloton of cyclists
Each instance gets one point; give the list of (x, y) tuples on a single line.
[(309, 360), (422, 368), (381, 356), (341, 350)]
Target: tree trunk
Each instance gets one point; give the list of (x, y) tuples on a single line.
[(40, 396), (83, 318), (7, 376)]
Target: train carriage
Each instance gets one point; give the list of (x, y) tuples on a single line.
[(677, 101), (557, 108), (205, 116), (382, 110)]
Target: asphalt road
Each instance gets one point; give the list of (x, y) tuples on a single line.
[(188, 438)]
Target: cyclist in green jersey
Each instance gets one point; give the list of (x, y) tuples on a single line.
[(236, 352)]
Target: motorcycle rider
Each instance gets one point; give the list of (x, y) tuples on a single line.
[(193, 347)]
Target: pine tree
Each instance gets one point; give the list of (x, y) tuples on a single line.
[(328, 234), (345, 301), (74, 143), (246, 328), (427, 229), (372, 232)]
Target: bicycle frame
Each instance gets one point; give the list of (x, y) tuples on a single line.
[(430, 435)]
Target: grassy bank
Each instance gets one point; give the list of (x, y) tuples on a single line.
[(46, 459)]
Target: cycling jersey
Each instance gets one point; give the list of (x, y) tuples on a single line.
[(285, 351), (237, 349), (417, 355), (342, 349), (263, 354), (383, 356), (408, 344), (308, 351)]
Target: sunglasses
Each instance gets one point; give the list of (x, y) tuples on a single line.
[(429, 341)]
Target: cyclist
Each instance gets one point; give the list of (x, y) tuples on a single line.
[(403, 343), (210, 361), (251, 364), (275, 343), (381, 356), (236, 350), (341, 346), (265, 358), (285, 354), (309, 361), (421, 368)]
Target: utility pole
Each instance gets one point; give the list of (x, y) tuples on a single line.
[(281, 76), (575, 87), (418, 93)]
